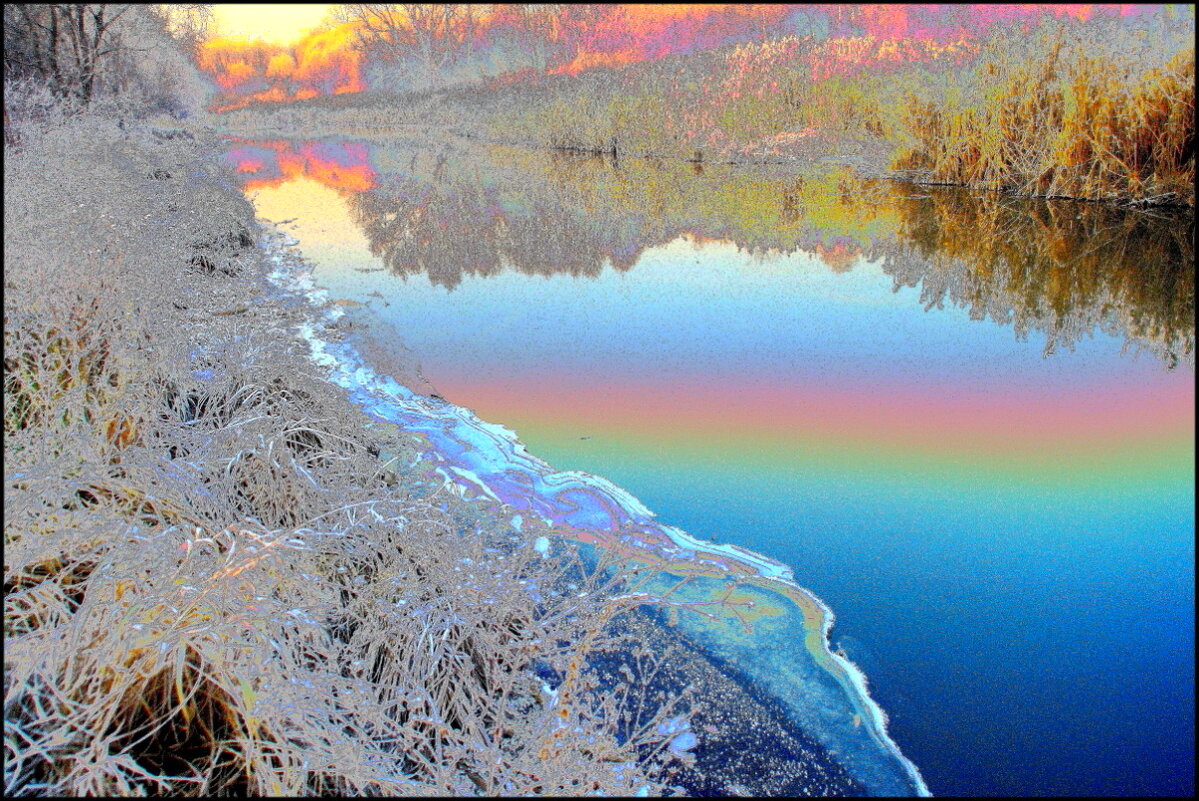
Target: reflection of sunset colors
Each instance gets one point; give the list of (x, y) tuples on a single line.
[(339, 165), (584, 37), (1035, 267), (1036, 435), (814, 398), (840, 255)]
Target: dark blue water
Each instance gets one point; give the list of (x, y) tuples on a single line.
[(1076, 656)]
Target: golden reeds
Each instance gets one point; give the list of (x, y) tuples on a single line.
[(1064, 124)]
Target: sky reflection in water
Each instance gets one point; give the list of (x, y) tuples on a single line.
[(914, 397)]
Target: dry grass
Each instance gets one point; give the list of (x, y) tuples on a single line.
[(1099, 111), (1062, 122), (213, 584)]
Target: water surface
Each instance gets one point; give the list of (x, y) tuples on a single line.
[(964, 421)]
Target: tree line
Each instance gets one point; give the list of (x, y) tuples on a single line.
[(71, 54)]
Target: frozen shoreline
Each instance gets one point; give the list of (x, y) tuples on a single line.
[(487, 460), (230, 434)]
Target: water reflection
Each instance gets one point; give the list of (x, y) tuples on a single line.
[(340, 164), (450, 230), (1060, 268), (938, 484)]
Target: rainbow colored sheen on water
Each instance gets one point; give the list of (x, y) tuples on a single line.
[(747, 600)]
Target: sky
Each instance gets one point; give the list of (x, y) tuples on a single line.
[(278, 24)]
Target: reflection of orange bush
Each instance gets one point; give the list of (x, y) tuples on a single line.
[(357, 178), (356, 175), (250, 165), (841, 257)]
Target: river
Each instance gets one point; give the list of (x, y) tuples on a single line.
[(964, 421)]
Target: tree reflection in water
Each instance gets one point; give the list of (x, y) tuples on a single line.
[(1058, 267), (1063, 268)]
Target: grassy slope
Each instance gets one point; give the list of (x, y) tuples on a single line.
[(210, 575)]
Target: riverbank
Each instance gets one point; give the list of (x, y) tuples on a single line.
[(229, 570), (221, 575), (1097, 111)]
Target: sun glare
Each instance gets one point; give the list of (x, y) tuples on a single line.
[(277, 24)]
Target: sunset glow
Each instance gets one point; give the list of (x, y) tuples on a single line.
[(319, 63), (276, 24), (270, 54)]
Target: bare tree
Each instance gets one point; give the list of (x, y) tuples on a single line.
[(190, 24), (65, 44), (537, 28), (59, 59), (438, 34)]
